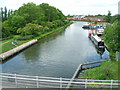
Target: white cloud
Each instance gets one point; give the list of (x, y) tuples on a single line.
[(71, 6)]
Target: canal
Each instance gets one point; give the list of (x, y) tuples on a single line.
[(58, 55)]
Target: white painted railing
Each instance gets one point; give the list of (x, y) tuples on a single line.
[(25, 81)]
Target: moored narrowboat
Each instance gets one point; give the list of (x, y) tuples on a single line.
[(99, 43)]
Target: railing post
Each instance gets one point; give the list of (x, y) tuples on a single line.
[(37, 81), (60, 83), (16, 80), (111, 84), (85, 83)]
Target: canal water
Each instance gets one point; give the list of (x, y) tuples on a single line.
[(58, 55)]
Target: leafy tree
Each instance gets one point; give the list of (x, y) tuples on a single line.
[(58, 23), (6, 29), (108, 17), (30, 29), (9, 13), (1, 13), (30, 12), (31, 19), (51, 13), (12, 24), (0, 29), (115, 18), (50, 24), (45, 29), (18, 21), (5, 13), (112, 36)]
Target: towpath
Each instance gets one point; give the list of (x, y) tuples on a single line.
[(4, 43)]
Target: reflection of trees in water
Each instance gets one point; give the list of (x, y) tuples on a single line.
[(32, 54), (51, 36)]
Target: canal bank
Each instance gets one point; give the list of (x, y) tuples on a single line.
[(16, 50), (56, 56), (108, 70), (12, 52)]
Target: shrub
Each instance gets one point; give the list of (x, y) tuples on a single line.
[(19, 37)]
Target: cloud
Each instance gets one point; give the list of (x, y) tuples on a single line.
[(71, 6)]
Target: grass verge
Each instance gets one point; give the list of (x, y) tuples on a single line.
[(107, 71)]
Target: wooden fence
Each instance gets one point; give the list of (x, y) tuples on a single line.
[(24, 81)]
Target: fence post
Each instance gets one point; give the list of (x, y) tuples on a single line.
[(111, 84), (60, 82), (37, 81), (16, 80), (85, 83)]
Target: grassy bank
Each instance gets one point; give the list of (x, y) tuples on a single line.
[(8, 46), (107, 71), (54, 30)]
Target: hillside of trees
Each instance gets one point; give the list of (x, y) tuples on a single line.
[(31, 20)]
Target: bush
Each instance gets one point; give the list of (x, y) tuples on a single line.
[(112, 56), (19, 37), (111, 36), (6, 38)]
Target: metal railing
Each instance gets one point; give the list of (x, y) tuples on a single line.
[(24, 81)]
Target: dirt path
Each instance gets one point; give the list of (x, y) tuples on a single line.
[(4, 43)]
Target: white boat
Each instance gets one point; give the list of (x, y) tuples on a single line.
[(99, 43), (100, 31)]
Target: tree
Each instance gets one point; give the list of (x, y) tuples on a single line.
[(0, 30), (9, 13), (6, 29), (51, 13), (115, 18), (31, 19), (30, 29), (108, 17), (18, 21), (112, 36), (5, 13), (58, 23), (31, 12), (1, 13)]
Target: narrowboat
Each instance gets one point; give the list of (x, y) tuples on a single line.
[(99, 43)]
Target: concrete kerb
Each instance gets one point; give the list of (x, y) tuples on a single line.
[(11, 52)]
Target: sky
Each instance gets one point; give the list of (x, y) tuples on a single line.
[(72, 7)]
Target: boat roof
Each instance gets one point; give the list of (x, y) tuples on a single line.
[(97, 38), (100, 29)]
